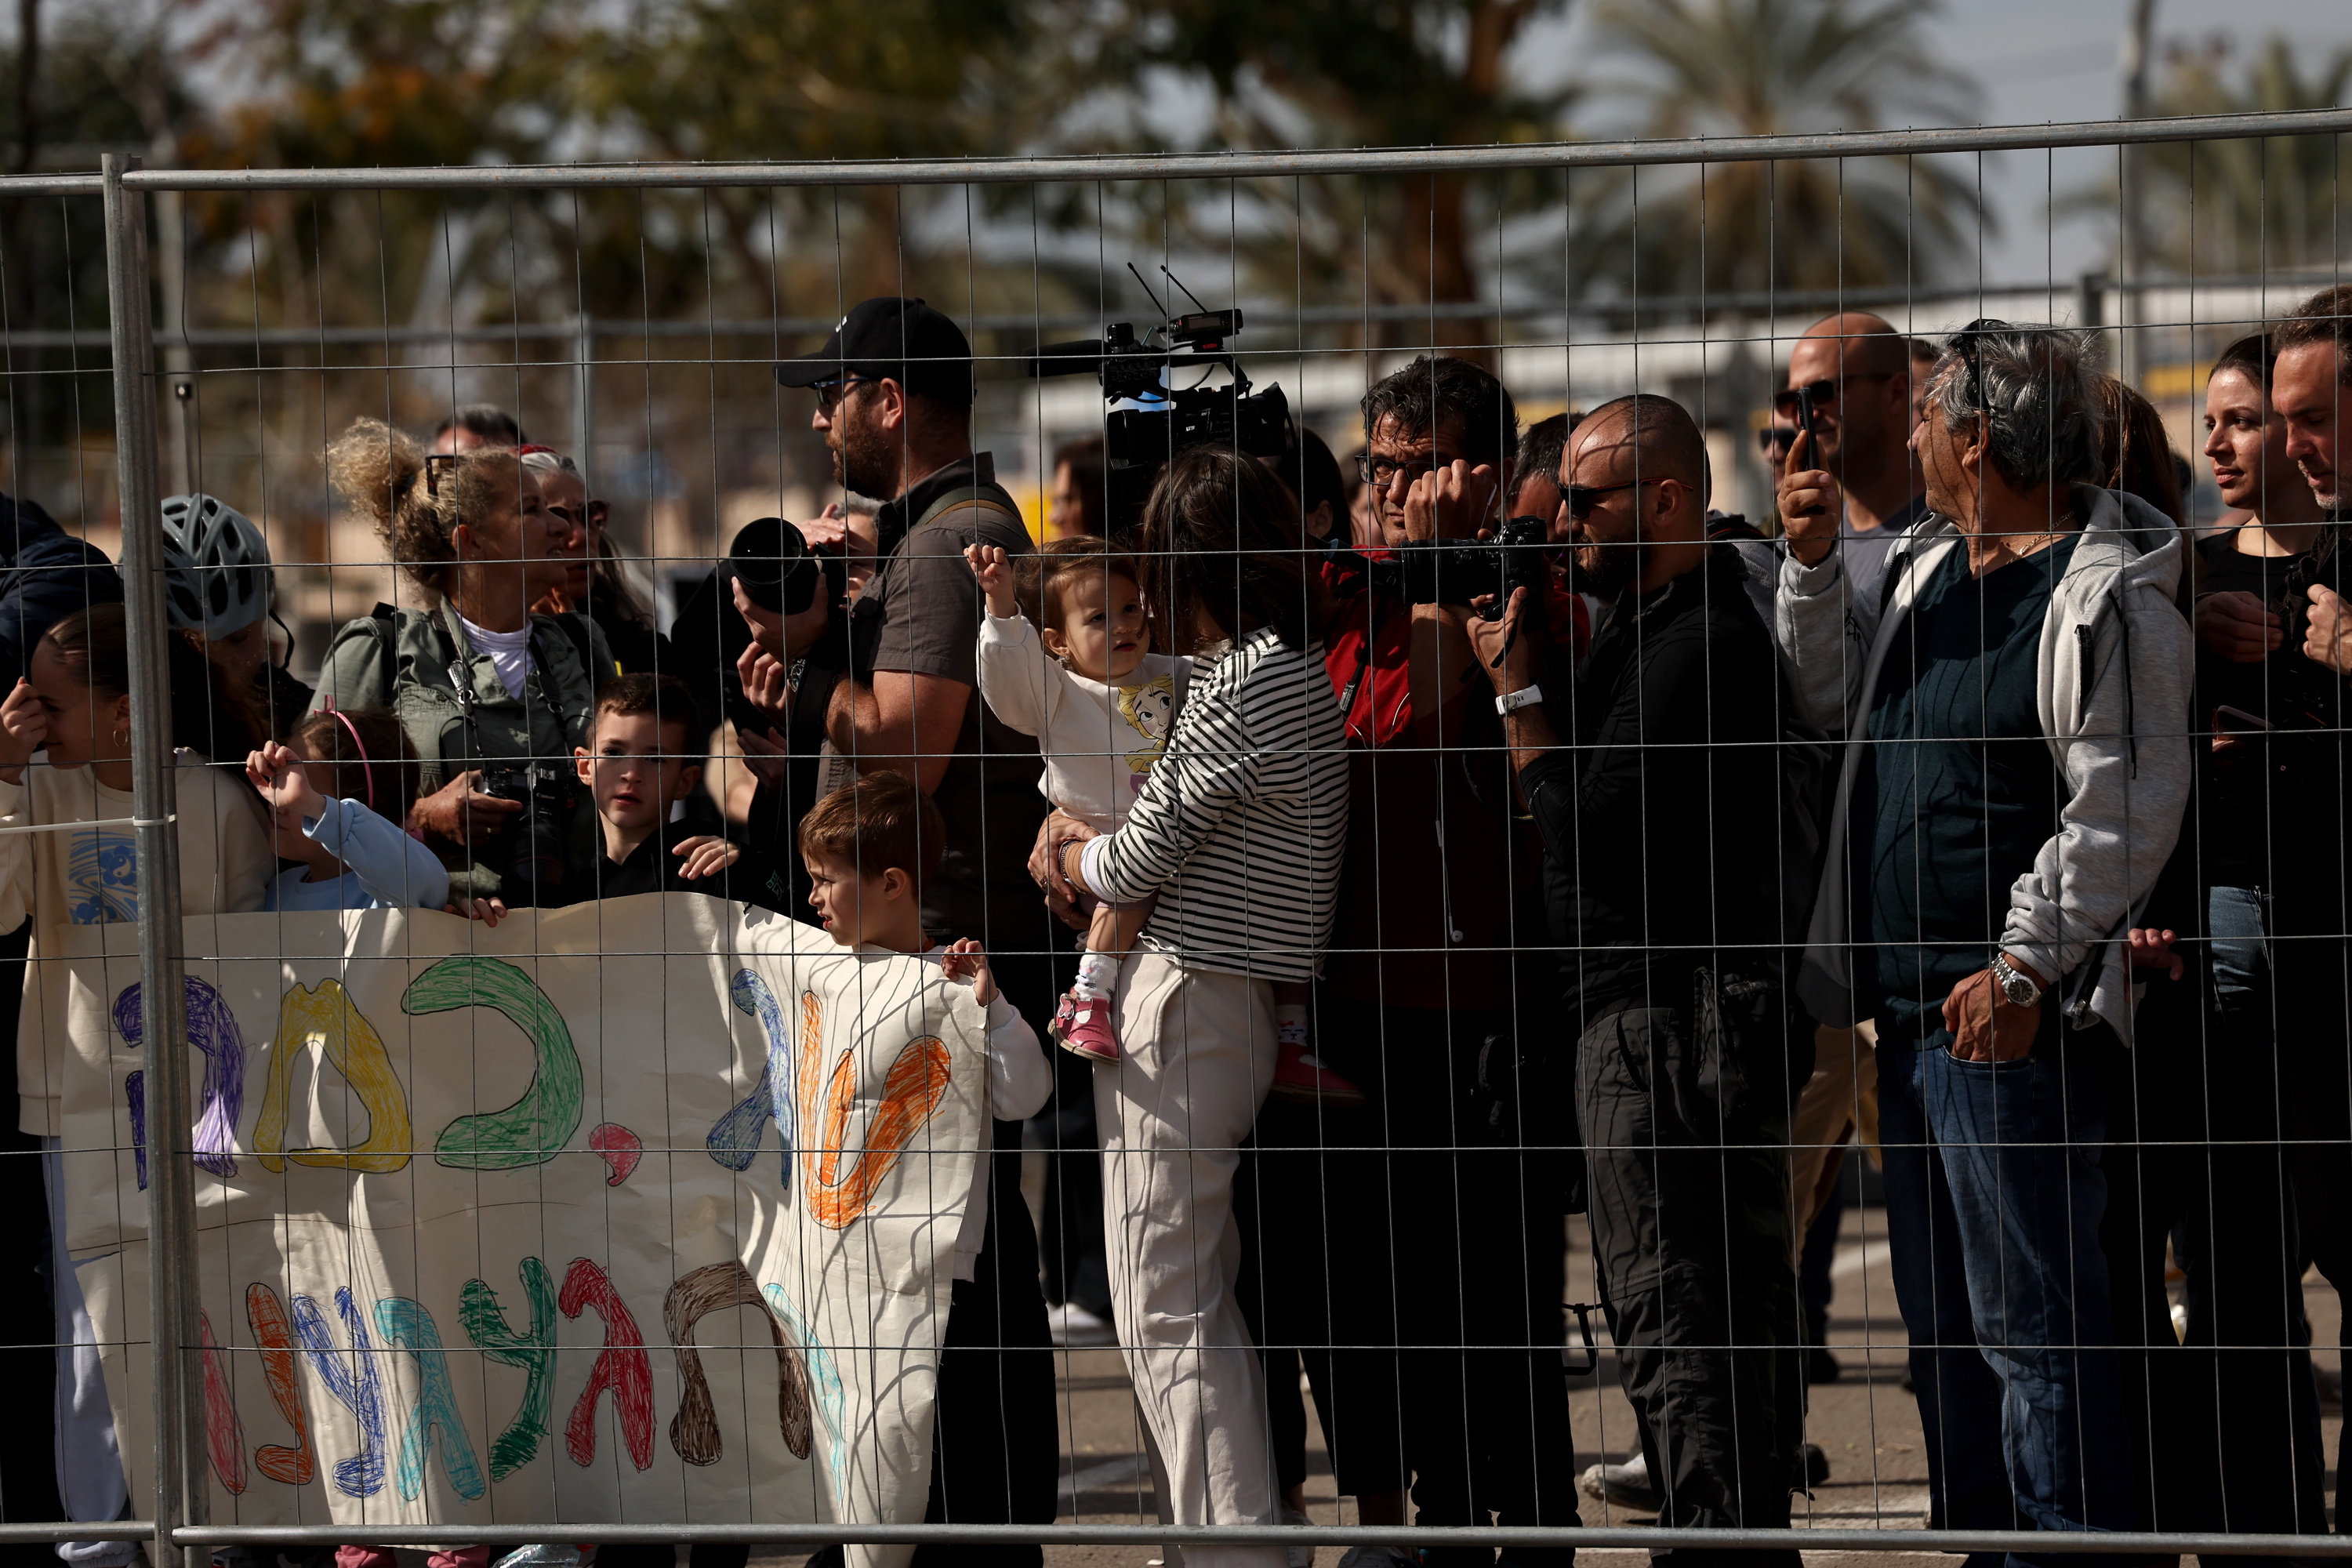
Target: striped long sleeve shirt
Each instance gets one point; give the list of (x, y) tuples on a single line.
[(1241, 828)]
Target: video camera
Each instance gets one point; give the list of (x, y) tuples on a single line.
[(1137, 441)]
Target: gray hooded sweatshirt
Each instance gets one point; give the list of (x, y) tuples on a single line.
[(2113, 689)]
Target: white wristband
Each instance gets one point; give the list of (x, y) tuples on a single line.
[(1525, 697)]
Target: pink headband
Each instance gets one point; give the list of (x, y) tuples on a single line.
[(367, 769)]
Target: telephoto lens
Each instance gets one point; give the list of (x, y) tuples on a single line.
[(773, 561)]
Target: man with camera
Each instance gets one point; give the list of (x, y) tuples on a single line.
[(1423, 997), (890, 682), (1644, 770)]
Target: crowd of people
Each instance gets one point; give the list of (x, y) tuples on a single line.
[(1427, 891)]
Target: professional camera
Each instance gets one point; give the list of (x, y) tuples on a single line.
[(1174, 418), (538, 842), (1456, 571), (534, 852), (780, 570)]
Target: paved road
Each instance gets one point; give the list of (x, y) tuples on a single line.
[(1866, 1421)]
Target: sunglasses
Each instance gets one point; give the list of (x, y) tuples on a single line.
[(829, 393), (1822, 394), (1581, 499)]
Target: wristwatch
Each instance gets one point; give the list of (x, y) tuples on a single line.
[(2015, 984), (1525, 697)]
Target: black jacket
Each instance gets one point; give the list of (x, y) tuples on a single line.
[(1660, 822), (651, 867)]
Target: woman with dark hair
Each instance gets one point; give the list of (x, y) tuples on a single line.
[(1079, 501), (1238, 832), (597, 582), (1313, 475), (2134, 453)]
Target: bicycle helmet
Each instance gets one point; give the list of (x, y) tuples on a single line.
[(215, 566)]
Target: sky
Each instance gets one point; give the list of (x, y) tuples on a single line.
[(2039, 60)]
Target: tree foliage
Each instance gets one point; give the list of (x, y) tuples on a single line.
[(2240, 207), (1752, 68)]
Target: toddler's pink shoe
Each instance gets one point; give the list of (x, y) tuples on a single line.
[(1299, 1075), (1083, 1025)]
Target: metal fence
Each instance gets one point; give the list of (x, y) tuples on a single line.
[(1576, 347)]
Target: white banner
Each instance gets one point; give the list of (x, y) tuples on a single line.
[(637, 1212)]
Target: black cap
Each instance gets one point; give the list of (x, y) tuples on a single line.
[(905, 340)]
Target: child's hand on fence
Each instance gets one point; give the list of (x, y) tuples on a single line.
[(2152, 950), (23, 728), (994, 569), (278, 775), (489, 911), (705, 855), (964, 959)]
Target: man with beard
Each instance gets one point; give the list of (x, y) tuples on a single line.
[(1648, 771), (897, 688)]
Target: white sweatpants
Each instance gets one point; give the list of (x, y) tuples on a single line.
[(1196, 1055), (90, 1463)]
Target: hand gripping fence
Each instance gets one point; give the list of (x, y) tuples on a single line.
[(178, 1510)]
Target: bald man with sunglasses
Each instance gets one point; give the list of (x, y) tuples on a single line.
[(1860, 487)]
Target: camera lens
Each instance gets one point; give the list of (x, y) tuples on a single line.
[(774, 562)]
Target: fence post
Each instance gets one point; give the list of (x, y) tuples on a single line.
[(171, 1190)]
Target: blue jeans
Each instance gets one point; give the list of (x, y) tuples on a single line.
[(1994, 1198), (2238, 922)]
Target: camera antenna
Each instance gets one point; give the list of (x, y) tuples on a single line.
[(1180, 283), (1148, 293)]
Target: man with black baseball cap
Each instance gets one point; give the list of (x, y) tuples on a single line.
[(894, 395)]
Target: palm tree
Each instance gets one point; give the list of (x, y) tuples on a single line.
[(1364, 73), (1744, 68), (2238, 208)]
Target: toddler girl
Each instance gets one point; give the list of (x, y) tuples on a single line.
[(1076, 672), (354, 853)]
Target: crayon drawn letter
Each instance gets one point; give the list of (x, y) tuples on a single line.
[(917, 1083), (325, 1018), (694, 1431), (536, 1127), (621, 1366), (532, 1353), (359, 1386), (275, 1335), (408, 1326), (223, 1433), (212, 1029)]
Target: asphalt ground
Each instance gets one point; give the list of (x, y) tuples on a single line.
[(1866, 1421)]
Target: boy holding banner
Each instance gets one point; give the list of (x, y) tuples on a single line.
[(869, 846)]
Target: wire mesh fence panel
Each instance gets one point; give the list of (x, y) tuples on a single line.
[(1521, 849)]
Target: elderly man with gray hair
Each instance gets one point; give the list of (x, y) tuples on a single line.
[(2014, 709)]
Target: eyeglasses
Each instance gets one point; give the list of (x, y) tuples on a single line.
[(1822, 392), (1382, 472), (829, 393), (1582, 498)]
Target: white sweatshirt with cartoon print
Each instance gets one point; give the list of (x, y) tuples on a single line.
[(1099, 738)]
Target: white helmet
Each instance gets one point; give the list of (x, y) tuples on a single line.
[(215, 566)]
